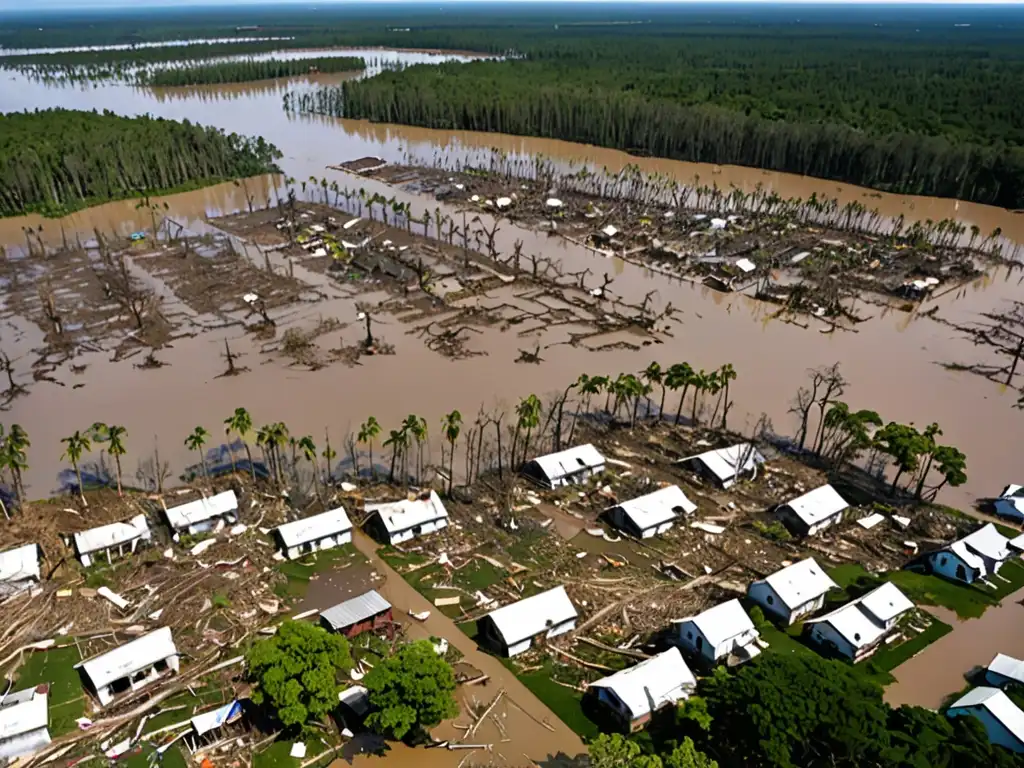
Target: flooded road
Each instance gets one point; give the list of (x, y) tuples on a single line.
[(892, 361)]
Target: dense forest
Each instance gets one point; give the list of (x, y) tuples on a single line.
[(57, 160), (247, 70)]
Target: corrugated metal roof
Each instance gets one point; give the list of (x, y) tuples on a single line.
[(659, 507), (131, 657), (817, 505), (886, 602), (357, 609), (570, 461), (662, 679), (313, 528), (999, 706), (533, 615), (405, 514), (800, 583), (1007, 666), (201, 510), (205, 722), (112, 535), (723, 622), (23, 711), (724, 463), (20, 563)]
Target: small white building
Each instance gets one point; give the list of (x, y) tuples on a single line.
[(793, 592), (1004, 670), (131, 666), (856, 630), (398, 521), (635, 694), (653, 513), (24, 722), (976, 556), (323, 531), (812, 512), (510, 630), (1010, 503), (204, 515), (1003, 720), (112, 540), (569, 467), (725, 466), (719, 633), (19, 569)]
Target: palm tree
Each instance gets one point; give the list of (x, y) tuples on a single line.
[(398, 440), (588, 386), (329, 455), (308, 448), (195, 442), (368, 431), (416, 426), (240, 422), (528, 412), (115, 447), (652, 375), (451, 426), (726, 374), (15, 456), (75, 447), (278, 439), (700, 382)]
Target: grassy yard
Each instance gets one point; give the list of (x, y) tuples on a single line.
[(844, 575), (888, 657), (67, 699), (564, 702), (783, 642), (139, 758), (300, 572), (276, 755), (478, 574)]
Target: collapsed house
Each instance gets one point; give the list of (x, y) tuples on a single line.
[(856, 630), (19, 569), (131, 666), (633, 695), (1004, 670), (814, 511), (1010, 503), (24, 722), (725, 466), (311, 534), (795, 591), (368, 612), (205, 723), (976, 556), (1002, 719), (203, 515), (651, 514), (722, 632), (112, 540), (569, 467), (397, 521), (510, 630)]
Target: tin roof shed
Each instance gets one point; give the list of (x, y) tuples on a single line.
[(800, 583), (201, 510), (817, 505), (314, 528), (405, 514), (658, 507), (359, 608), (112, 535), (131, 657)]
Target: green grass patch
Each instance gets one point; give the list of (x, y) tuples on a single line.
[(1013, 571), (846, 574), (784, 642), (183, 706), (564, 702), (67, 698), (300, 572), (276, 755), (967, 601), (172, 758)]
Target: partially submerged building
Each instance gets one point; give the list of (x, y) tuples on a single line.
[(511, 629), (311, 534), (813, 512), (653, 513), (976, 556), (398, 521), (131, 666), (19, 569), (722, 633), (725, 466), (793, 592), (364, 613), (204, 515), (633, 695), (1010, 503), (1004, 670), (24, 722), (856, 630), (1002, 719), (113, 540), (569, 467)]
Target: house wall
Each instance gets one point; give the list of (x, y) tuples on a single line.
[(214, 522), (381, 620), (997, 732), (106, 694), (997, 680), (1006, 508), (765, 596), (489, 633), (798, 527), (614, 706), (327, 542), (109, 553), (807, 608), (831, 641), (944, 563)]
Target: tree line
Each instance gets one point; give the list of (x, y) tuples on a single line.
[(56, 161), (246, 70)]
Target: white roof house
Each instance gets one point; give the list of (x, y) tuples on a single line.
[(817, 509), (1003, 720), (641, 690), (976, 556), (114, 536), (1004, 669), (144, 655), (24, 722), (566, 467), (652, 513), (513, 626), (328, 529), (19, 565), (720, 631), (794, 591), (855, 629), (203, 514), (405, 519), (724, 465)]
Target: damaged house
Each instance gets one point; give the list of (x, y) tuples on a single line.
[(569, 467), (205, 724), (397, 521), (112, 540), (814, 511), (510, 630), (633, 695), (976, 556), (204, 515), (856, 630), (651, 514), (19, 569), (793, 592), (311, 534), (131, 666), (1010, 503), (24, 722), (725, 466), (724, 632), (364, 613)]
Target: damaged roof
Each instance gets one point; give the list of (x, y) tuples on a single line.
[(724, 463), (402, 515), (314, 528), (115, 534), (23, 711), (355, 610), (658, 507), (201, 510), (20, 563), (800, 583), (205, 722), (570, 461), (817, 505), (533, 615), (651, 684), (131, 657)]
